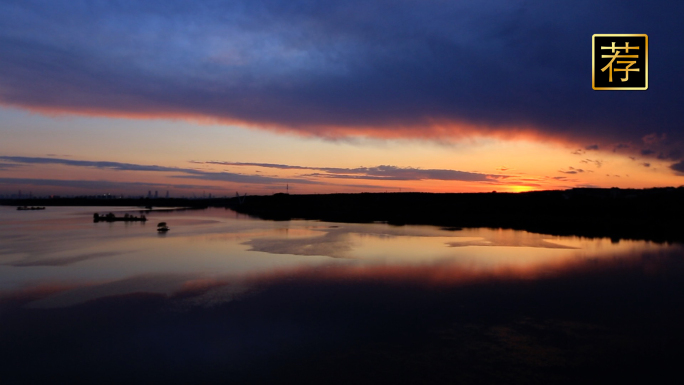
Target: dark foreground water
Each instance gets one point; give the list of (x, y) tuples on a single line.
[(223, 298)]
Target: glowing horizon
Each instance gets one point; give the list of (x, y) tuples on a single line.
[(478, 164), (257, 96)]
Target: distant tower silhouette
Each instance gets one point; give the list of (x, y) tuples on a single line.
[(149, 193), (156, 194), (167, 194), (287, 188), (241, 200)]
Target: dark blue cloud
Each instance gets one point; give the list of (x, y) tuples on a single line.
[(388, 172), (180, 172), (385, 68), (678, 167), (97, 185), (7, 166), (572, 170), (241, 178), (266, 165), (85, 163), (384, 172)]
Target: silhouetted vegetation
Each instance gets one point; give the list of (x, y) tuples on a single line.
[(162, 227), (143, 203), (113, 218), (20, 208), (651, 214)]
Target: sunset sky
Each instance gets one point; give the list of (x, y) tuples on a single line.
[(200, 97)]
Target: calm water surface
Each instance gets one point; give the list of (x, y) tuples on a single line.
[(224, 298), (62, 246)]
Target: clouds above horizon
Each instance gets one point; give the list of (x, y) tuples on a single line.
[(377, 173), (401, 69), (90, 185), (383, 172), (188, 173), (678, 167)]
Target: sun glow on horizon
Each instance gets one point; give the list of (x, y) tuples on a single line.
[(226, 159)]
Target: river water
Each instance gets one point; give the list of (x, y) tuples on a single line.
[(63, 247), (225, 298)]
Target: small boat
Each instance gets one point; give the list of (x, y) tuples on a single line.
[(162, 227)]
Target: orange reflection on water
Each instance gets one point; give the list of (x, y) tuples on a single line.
[(215, 248)]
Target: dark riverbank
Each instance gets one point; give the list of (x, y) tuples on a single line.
[(649, 214), (116, 202)]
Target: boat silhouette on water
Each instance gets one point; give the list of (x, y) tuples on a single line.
[(162, 227)]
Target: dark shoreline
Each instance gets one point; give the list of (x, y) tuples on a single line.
[(655, 214)]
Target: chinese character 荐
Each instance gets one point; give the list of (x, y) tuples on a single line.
[(616, 55)]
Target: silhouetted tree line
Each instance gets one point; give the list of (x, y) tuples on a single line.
[(113, 218), (652, 214)]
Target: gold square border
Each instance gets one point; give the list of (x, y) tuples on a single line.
[(593, 63)]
